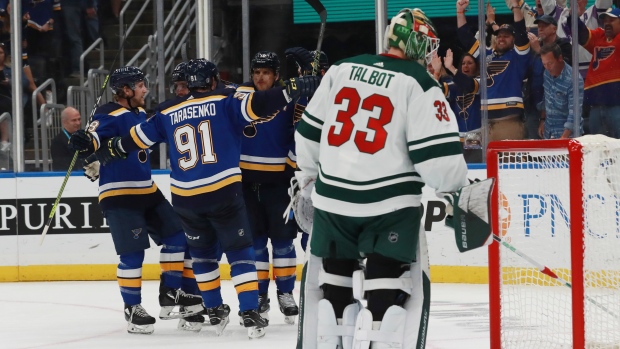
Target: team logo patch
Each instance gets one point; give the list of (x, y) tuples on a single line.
[(495, 68), (601, 54), (393, 237), (136, 233), (241, 232)]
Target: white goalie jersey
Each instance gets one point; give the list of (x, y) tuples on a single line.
[(377, 129)]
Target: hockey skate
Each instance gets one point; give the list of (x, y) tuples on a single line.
[(191, 323), (254, 322), (263, 307), (288, 307), (138, 320), (219, 317), (170, 298)]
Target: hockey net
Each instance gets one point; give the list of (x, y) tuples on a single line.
[(557, 202)]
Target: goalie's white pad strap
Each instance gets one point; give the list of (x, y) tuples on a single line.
[(403, 283), (377, 336), (333, 279), (339, 330)]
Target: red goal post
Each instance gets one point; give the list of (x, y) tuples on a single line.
[(557, 202)]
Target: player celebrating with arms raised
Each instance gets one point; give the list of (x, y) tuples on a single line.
[(376, 131)]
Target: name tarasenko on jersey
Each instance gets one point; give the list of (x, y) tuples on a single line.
[(192, 111)]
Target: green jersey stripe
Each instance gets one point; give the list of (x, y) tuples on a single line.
[(378, 180), (313, 118), (432, 138), (309, 132), (368, 196), (435, 151)]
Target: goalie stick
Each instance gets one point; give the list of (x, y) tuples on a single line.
[(320, 9), (90, 118)]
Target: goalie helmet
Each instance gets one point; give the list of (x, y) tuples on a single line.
[(266, 59), (126, 76), (413, 33), (200, 73)]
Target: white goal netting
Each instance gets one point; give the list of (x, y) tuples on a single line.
[(538, 191)]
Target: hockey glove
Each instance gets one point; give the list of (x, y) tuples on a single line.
[(304, 86), (91, 170), (111, 150), (81, 141), (302, 57)]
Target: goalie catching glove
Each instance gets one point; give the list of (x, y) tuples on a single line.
[(301, 203), (110, 150), (467, 212)]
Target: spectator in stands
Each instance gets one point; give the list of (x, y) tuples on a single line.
[(533, 91), (590, 17), (44, 37), (547, 35), (466, 105), (79, 14), (506, 70), (602, 83), (557, 108), (61, 153), (6, 99)]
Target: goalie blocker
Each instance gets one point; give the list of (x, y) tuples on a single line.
[(468, 214)]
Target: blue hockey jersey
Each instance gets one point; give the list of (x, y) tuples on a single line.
[(204, 132), (267, 146), (124, 183)]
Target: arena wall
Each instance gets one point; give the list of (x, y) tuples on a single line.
[(78, 245)]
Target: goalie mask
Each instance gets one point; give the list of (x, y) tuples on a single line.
[(413, 33)]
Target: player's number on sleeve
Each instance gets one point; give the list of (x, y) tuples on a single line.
[(344, 117), (185, 141), (442, 112)]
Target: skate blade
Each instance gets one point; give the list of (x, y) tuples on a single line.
[(256, 332), (290, 319), (140, 329), (185, 325), (168, 313), (219, 328)]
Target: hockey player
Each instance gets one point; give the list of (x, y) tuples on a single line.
[(265, 153), (194, 323), (204, 130), (135, 208), (376, 131)]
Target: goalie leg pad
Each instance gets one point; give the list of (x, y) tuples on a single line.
[(336, 333)]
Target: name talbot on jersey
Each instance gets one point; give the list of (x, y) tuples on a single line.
[(374, 78), (191, 112)]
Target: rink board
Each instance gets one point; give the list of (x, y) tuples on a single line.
[(78, 245)]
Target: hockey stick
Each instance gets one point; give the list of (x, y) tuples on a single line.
[(547, 271), (90, 118), (320, 9)]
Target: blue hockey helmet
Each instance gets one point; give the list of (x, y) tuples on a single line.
[(126, 76), (266, 59), (200, 73), (178, 74)]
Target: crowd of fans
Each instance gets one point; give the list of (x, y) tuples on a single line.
[(529, 73), (49, 29)]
